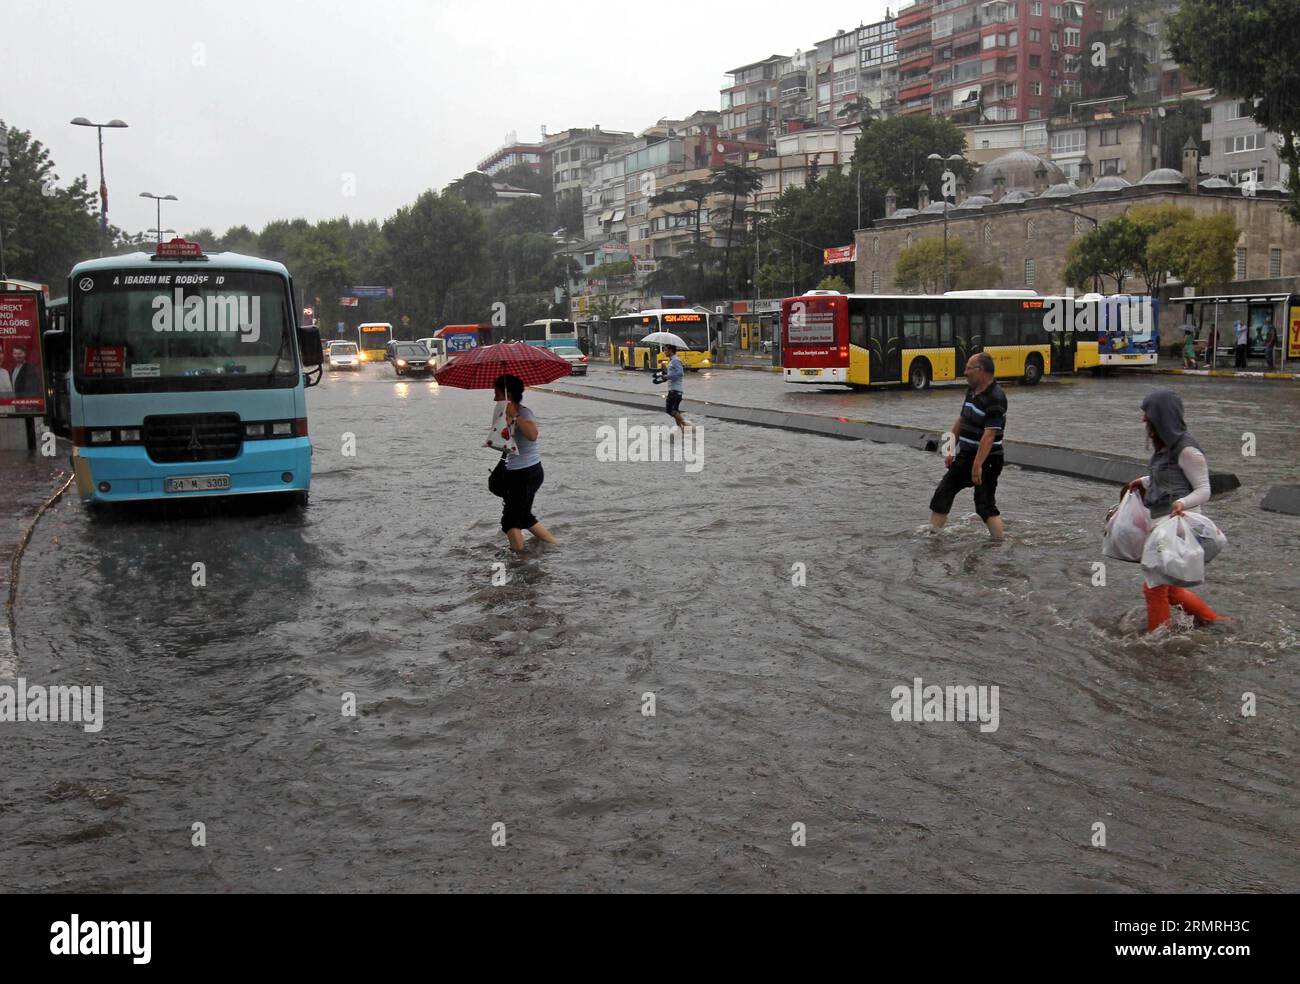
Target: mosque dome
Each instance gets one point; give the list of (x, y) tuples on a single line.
[(1017, 168)]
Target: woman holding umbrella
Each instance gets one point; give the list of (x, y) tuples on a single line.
[(507, 369), (524, 475)]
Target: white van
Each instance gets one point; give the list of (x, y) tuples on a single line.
[(437, 349)]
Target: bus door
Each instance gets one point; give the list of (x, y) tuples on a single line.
[(966, 337), (884, 344)]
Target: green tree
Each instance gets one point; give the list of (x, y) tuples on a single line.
[(1180, 122), (474, 188), (833, 282), (920, 266), (804, 221), (1149, 220), (1111, 249), (1199, 251), (603, 307), (1126, 66), (46, 228), (859, 110), (694, 192), (894, 153), (734, 180), (1245, 50)]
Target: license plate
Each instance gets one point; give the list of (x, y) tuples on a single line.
[(197, 483), (811, 372)]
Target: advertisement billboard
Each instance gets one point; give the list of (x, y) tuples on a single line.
[(22, 379)]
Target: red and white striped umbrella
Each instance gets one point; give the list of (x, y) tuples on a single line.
[(479, 367)]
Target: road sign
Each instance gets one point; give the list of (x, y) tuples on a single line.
[(373, 293)]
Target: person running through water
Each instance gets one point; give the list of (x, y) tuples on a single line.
[(523, 467), (977, 436), (674, 373), (1179, 482)]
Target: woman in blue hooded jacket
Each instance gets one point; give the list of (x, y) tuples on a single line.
[(1179, 482)]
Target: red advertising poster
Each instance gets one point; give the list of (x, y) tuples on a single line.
[(22, 378), (840, 254)]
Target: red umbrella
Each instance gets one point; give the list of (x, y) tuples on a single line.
[(479, 367)]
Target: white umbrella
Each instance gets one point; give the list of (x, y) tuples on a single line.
[(665, 338)]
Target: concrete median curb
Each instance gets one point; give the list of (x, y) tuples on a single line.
[(1093, 466), (1272, 376)]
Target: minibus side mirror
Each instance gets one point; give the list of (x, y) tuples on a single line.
[(309, 345), (57, 356)]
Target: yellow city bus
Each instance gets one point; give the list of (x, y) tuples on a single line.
[(372, 338), (879, 339), (627, 330)]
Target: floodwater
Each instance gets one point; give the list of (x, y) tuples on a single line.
[(522, 705)]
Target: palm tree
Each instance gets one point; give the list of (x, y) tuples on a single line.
[(697, 191), (860, 109), (737, 180)]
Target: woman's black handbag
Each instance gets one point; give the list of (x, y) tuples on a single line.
[(497, 483)]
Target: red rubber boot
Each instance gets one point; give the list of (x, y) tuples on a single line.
[(1194, 606), (1157, 605)]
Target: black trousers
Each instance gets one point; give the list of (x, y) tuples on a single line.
[(517, 503), (958, 477), (1241, 357)]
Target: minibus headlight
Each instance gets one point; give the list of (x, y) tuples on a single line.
[(101, 437), (130, 435), (254, 430), (282, 427)]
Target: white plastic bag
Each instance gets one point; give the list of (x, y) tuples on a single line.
[(1126, 529), (1207, 533), (1173, 555), (502, 437)]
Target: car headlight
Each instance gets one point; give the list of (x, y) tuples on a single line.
[(401, 362)]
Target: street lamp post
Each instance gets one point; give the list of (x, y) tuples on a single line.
[(945, 178), (103, 185), (4, 170), (159, 199)]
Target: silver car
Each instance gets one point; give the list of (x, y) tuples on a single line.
[(574, 357)]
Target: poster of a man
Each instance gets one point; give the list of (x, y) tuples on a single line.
[(22, 386)]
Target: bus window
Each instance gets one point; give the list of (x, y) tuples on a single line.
[(857, 324), (1032, 331), (945, 330), (920, 330), (995, 330)]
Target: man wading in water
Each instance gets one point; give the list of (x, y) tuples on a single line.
[(977, 435)]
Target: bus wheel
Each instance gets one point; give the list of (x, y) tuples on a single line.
[(918, 377), (1033, 370)]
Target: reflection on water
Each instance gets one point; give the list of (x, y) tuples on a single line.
[(523, 703)]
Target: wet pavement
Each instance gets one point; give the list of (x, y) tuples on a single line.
[(522, 704)]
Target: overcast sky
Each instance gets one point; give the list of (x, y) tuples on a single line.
[(252, 110)]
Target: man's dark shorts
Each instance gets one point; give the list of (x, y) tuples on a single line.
[(673, 404), (958, 478)]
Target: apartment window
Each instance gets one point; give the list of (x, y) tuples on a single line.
[(1031, 272), (1112, 165), (1057, 11), (1035, 35), (726, 100), (1241, 263), (1035, 61), (1239, 111), (1110, 136), (824, 92), (1056, 91), (1036, 9), (1274, 262), (990, 41), (589, 259), (1034, 114), (1243, 143), (1069, 142), (1072, 37), (1013, 38), (1056, 43), (1242, 175)]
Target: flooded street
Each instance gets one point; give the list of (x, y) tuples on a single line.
[(524, 704)]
